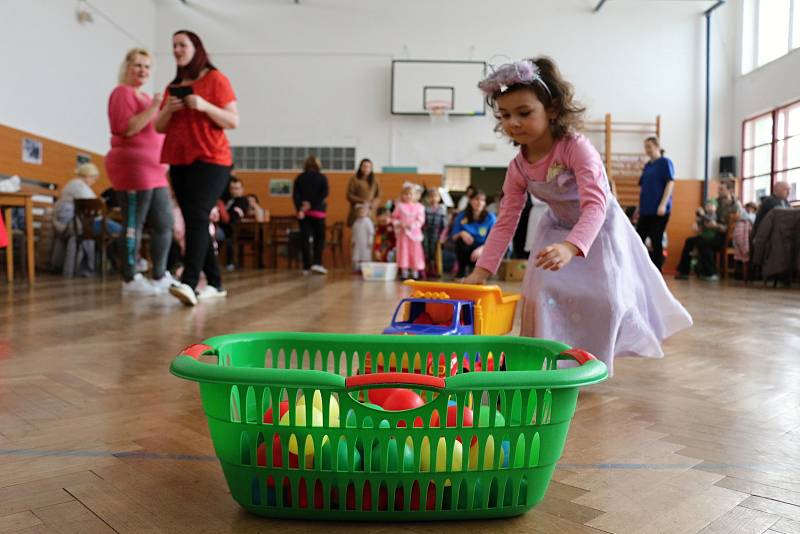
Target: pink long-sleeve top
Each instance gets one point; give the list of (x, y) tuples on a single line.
[(409, 218), (574, 155)]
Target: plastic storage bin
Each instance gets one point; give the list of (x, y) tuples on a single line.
[(355, 461), (374, 271)]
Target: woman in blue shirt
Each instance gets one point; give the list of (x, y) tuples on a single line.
[(655, 199), (469, 232)]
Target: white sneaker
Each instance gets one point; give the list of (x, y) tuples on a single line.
[(139, 286), (319, 269), (162, 285), (184, 293), (211, 292), (142, 265)]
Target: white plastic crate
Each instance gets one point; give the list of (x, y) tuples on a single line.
[(377, 271)]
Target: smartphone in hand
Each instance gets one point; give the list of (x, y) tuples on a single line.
[(180, 91)]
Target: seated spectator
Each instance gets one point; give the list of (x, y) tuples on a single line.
[(230, 211), (707, 229), (778, 199), (469, 232), (255, 211), (79, 187)]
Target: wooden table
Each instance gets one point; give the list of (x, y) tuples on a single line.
[(23, 200)]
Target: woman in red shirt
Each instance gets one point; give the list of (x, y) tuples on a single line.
[(200, 106)]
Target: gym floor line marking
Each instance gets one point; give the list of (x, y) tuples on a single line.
[(147, 455)]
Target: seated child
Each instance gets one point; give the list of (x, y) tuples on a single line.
[(742, 232), (385, 241), (363, 237)]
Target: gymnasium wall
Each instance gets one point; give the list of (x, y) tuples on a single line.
[(58, 73), (765, 88), (319, 72), (59, 160)]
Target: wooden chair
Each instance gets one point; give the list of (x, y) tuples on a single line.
[(86, 211), (248, 232), (335, 241), (280, 229)]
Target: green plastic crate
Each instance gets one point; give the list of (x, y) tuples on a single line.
[(376, 465)]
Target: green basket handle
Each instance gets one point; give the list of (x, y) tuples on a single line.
[(195, 351), (579, 355), (393, 380)]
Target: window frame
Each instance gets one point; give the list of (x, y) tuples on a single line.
[(774, 171), (751, 15)]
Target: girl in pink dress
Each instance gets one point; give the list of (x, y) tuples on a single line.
[(408, 217), (590, 282)]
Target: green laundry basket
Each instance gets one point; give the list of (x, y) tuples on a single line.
[(363, 463)]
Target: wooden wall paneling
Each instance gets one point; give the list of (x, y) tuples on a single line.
[(686, 197), (59, 160)]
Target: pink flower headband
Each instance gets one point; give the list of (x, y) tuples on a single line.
[(523, 72)]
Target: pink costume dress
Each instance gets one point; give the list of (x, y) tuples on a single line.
[(409, 240), (609, 300)]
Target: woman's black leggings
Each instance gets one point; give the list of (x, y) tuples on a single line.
[(197, 188)]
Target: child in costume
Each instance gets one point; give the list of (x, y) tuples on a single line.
[(589, 282), (408, 218), (384, 247), (363, 236)]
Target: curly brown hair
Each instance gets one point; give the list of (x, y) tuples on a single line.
[(559, 98)]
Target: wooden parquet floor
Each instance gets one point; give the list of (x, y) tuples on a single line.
[(97, 436)]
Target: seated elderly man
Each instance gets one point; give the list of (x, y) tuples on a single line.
[(778, 199)]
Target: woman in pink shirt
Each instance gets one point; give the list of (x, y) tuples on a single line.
[(590, 282), (134, 167)]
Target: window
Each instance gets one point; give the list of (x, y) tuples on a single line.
[(771, 28), (787, 147), (276, 158), (771, 152)]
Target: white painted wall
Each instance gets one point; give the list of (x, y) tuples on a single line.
[(58, 73), (765, 88), (319, 72)]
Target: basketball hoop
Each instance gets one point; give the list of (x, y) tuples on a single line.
[(439, 111)]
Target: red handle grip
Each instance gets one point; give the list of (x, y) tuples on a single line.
[(195, 351), (394, 379), (580, 356)]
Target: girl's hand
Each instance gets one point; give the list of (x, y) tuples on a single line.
[(157, 98), (476, 253), (555, 256), (478, 276), (301, 215), (196, 102), (466, 237), (662, 210), (174, 104)]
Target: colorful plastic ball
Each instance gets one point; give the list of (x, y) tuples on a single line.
[(402, 399), (284, 407), (379, 395), (317, 401)]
